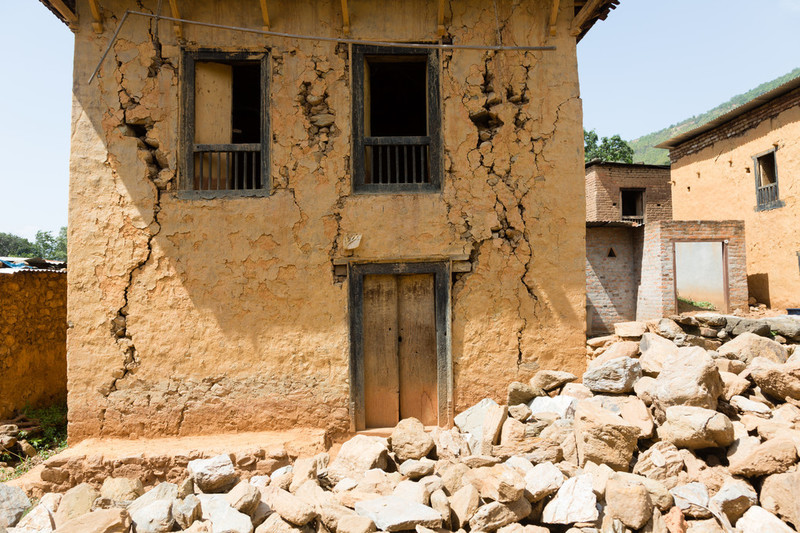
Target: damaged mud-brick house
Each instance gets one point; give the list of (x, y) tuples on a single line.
[(377, 214), (643, 265), (746, 164)]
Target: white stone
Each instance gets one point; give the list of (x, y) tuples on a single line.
[(222, 516), (357, 455), (470, 422), (563, 406), (744, 405), (13, 503), (693, 499), (390, 513), (155, 517), (614, 376), (630, 329), (162, 491), (574, 502), (758, 520), (734, 498), (542, 480), (689, 377), (216, 474), (654, 349), (39, 520)]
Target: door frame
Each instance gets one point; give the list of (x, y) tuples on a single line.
[(725, 279), (441, 295)]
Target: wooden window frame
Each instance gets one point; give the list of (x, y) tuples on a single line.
[(360, 55), (761, 191), (444, 366), (641, 219), (186, 178)]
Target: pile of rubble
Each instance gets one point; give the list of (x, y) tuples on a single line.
[(663, 435)]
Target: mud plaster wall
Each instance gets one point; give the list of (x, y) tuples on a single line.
[(196, 316), (33, 340), (717, 183)]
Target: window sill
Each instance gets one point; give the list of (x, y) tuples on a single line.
[(396, 188), (770, 206), (211, 195)]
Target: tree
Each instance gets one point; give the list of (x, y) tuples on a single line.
[(50, 246), (612, 149), (15, 246)]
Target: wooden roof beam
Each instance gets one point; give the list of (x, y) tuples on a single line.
[(588, 10), (554, 17), (345, 18), (66, 12), (264, 15), (173, 7), (97, 17)]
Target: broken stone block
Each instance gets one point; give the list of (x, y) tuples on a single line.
[(748, 346), (410, 441), (357, 455), (759, 520), (696, 427), (223, 517), (542, 480), (463, 504), (574, 502), (244, 497), (628, 501), (121, 489), (113, 520), (548, 380), (614, 376), (692, 498), (780, 495), (288, 506), (216, 474), (155, 517), (14, 502), (186, 511), (654, 348), (734, 498), (603, 437), (662, 461), (521, 393), (689, 377), (416, 469), (495, 515), (76, 501), (38, 520), (355, 524), (562, 406), (471, 421), (390, 513), (771, 457), (500, 483), (630, 329), (777, 381)]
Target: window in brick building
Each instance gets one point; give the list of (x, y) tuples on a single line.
[(632, 204), (396, 119), (766, 173), (225, 124)]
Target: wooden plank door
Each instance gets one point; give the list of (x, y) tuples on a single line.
[(417, 348), (399, 339)]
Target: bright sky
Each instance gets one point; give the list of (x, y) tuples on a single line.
[(650, 64)]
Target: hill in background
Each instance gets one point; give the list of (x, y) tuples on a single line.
[(643, 150)]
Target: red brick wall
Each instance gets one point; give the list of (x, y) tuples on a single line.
[(604, 181), (737, 126), (656, 295)]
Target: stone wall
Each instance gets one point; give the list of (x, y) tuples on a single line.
[(713, 177), (604, 181), (33, 339), (197, 316)]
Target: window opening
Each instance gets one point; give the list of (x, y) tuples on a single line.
[(395, 119), (632, 204), (766, 172), (611, 253), (226, 122)]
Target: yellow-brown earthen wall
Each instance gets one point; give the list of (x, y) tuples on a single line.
[(196, 316), (717, 183), (33, 340)]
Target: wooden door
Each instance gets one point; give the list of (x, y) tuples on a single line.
[(400, 372)]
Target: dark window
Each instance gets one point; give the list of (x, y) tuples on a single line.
[(632, 204), (395, 119), (225, 123), (766, 172)]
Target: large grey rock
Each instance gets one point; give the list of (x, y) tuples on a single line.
[(603, 437), (780, 495), (13, 503), (786, 326), (112, 520), (669, 328), (614, 376), (654, 349), (154, 518), (696, 427), (216, 474), (223, 517), (542, 480), (548, 380), (121, 489), (494, 515), (357, 455), (734, 498), (737, 326), (748, 346), (759, 520), (771, 457), (471, 422), (390, 513), (775, 380), (574, 502), (689, 377), (409, 440), (693, 499), (76, 501)]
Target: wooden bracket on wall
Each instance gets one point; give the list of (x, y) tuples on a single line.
[(173, 7), (97, 18), (67, 13), (553, 18), (345, 18), (586, 12), (264, 15), (440, 18)]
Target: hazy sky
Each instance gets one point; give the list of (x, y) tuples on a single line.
[(651, 64)]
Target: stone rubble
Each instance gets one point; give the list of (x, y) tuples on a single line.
[(667, 438)]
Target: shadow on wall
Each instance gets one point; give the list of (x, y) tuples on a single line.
[(758, 287)]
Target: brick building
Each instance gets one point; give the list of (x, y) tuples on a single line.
[(746, 164), (640, 264), (621, 191)]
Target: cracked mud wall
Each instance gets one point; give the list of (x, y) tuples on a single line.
[(195, 316)]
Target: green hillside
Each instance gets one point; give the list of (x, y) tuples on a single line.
[(643, 150)]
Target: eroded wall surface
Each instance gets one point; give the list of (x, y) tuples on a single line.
[(196, 316), (713, 179), (33, 340)]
